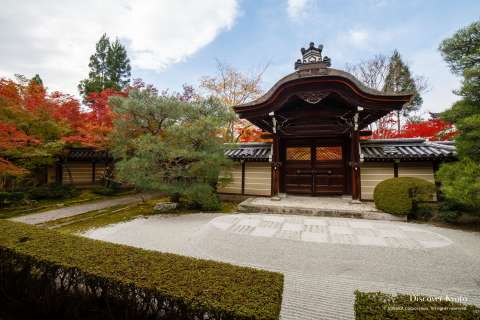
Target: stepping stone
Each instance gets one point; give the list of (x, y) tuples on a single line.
[(315, 237), (371, 241), (292, 227), (264, 232), (340, 230), (315, 222), (249, 222)]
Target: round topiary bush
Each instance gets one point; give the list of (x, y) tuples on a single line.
[(400, 196)]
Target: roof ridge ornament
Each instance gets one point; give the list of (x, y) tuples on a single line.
[(313, 55)]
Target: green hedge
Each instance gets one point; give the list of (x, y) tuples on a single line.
[(8, 198), (400, 196), (52, 191), (377, 305), (69, 277)]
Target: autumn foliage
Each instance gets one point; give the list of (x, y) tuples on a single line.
[(35, 126), (432, 129), (97, 123)]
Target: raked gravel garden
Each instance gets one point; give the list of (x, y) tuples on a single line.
[(324, 260)]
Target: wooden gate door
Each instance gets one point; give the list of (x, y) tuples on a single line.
[(314, 168)]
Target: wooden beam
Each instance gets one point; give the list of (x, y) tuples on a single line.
[(243, 176), (266, 135), (355, 155), (276, 166), (365, 133), (58, 173), (93, 172), (395, 169)]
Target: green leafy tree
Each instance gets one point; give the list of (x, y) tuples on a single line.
[(461, 179), (168, 144), (109, 68), (400, 80)]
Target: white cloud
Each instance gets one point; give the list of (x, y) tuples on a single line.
[(296, 8), (360, 40), (55, 38), (358, 37)]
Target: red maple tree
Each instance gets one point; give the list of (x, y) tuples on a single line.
[(432, 129), (33, 120), (97, 122)]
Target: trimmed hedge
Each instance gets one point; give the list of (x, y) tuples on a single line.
[(7, 198), (104, 191), (377, 305), (54, 275), (52, 191), (400, 196)]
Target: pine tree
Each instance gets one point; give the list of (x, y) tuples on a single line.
[(167, 144), (461, 179), (118, 65), (109, 68), (37, 80), (400, 80)]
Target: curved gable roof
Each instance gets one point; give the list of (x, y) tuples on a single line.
[(333, 80)]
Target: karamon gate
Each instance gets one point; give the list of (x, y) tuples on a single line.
[(315, 117)]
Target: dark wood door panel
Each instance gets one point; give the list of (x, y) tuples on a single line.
[(295, 183), (329, 184), (305, 174)]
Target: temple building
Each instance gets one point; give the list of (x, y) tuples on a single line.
[(317, 119)]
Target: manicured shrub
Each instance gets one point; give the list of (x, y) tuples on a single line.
[(377, 305), (426, 211), (450, 211), (400, 196), (201, 196), (111, 188), (52, 191), (461, 183), (104, 191), (7, 198), (57, 276)]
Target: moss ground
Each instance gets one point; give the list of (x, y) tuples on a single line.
[(117, 214), (128, 278), (45, 205)]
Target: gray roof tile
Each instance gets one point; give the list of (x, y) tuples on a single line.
[(372, 150)]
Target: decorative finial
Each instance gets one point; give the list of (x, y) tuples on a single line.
[(312, 55)]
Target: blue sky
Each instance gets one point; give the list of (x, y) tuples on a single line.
[(175, 42)]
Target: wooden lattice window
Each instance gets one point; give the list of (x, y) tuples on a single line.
[(328, 153), (299, 154)]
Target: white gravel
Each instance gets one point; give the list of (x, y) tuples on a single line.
[(321, 272)]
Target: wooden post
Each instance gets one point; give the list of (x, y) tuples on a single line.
[(355, 166), (243, 176), (355, 150), (93, 172), (275, 166), (58, 173)]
